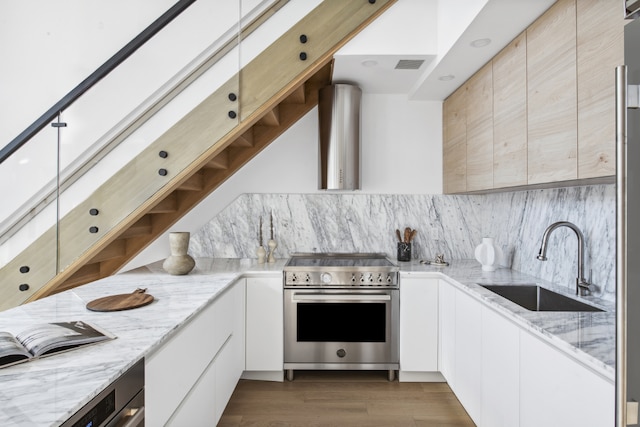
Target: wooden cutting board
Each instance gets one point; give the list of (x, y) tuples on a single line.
[(137, 298)]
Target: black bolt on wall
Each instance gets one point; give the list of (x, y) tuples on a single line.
[(163, 154), (23, 287), (93, 229), (93, 212), (232, 97), (303, 56), (232, 114), (24, 269), (162, 172)]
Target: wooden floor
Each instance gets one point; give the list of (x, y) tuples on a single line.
[(336, 398)]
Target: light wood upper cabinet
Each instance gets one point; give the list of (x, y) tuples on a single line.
[(455, 142), (600, 32), (552, 95), (480, 130), (510, 114)]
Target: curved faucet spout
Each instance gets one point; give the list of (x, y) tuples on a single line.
[(582, 286)]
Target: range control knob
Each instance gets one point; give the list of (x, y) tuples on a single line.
[(380, 277), (370, 277), (361, 277), (389, 279), (353, 278), (294, 278), (326, 278), (307, 278)]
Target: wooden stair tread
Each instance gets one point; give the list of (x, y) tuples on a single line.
[(221, 161), (169, 204), (244, 140), (194, 183), (115, 249)]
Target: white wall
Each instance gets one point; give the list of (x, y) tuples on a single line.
[(453, 19), (401, 154), (408, 27), (48, 47)]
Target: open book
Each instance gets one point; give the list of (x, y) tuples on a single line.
[(47, 339)]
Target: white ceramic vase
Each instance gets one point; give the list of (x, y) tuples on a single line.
[(488, 254), (262, 254), (272, 248), (179, 262)]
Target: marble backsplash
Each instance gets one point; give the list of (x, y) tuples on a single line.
[(449, 225)]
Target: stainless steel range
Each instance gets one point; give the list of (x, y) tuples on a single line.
[(341, 311)]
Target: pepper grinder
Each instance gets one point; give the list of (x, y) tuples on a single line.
[(261, 252), (271, 243)]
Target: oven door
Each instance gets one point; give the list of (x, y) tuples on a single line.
[(341, 329)]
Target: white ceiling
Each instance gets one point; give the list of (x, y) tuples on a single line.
[(439, 32)]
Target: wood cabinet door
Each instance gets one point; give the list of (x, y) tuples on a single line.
[(480, 130), (600, 41), (552, 95), (454, 150), (510, 114)]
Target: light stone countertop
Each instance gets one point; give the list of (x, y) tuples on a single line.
[(588, 337), (48, 391)]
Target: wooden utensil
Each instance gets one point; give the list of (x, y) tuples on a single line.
[(413, 234), (398, 235), (137, 298), (407, 234)]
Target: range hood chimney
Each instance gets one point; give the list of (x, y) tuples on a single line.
[(339, 155)]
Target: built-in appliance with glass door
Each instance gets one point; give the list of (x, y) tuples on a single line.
[(628, 223), (341, 311)]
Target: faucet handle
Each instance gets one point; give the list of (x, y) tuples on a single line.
[(583, 287)]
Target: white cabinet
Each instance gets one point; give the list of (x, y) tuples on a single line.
[(557, 391), (264, 328), (189, 380), (500, 370), (468, 354), (418, 325), (504, 376), (447, 329)]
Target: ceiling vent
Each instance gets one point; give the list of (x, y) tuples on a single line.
[(409, 64)]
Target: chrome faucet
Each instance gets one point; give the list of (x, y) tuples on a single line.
[(582, 286)]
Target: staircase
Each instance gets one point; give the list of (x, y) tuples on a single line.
[(190, 160)]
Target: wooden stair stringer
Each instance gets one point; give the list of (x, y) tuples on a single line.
[(142, 224), (169, 210)]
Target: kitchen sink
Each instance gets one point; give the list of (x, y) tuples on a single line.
[(536, 298)]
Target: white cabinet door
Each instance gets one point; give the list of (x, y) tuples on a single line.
[(418, 324), (468, 354), (180, 378), (558, 391), (500, 370), (265, 333), (447, 333), (198, 409)]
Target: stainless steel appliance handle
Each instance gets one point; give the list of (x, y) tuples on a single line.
[(622, 414), (128, 417), (341, 297)]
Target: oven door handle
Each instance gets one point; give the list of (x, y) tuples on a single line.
[(341, 297)]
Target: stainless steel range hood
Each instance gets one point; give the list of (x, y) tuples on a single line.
[(339, 154)]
